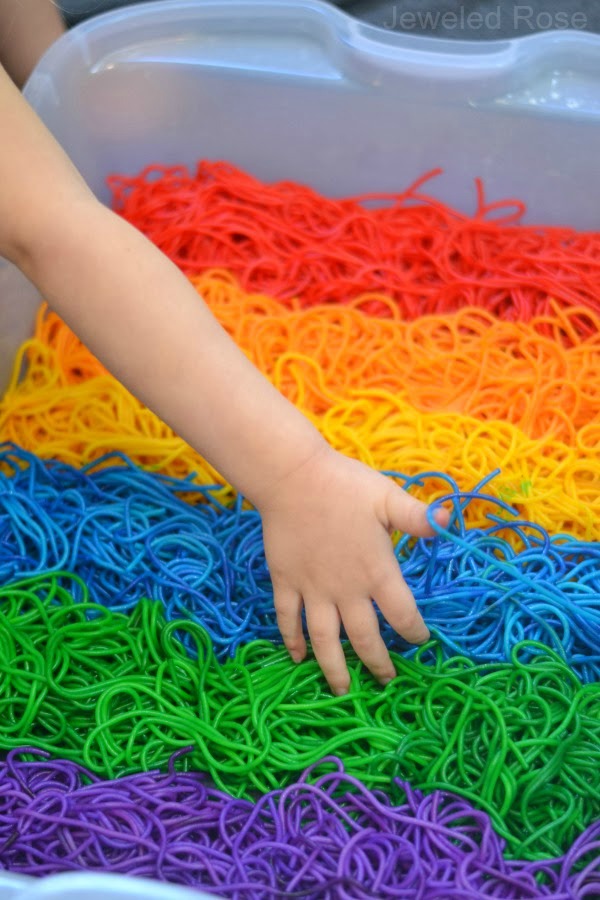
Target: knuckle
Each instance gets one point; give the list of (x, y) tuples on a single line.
[(293, 641), (409, 615), (277, 575), (406, 620), (364, 644), (320, 637), (380, 577), (282, 607)]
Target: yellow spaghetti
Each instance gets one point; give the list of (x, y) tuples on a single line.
[(539, 375), (436, 393)]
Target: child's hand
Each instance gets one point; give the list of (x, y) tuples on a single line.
[(327, 541), (326, 518)]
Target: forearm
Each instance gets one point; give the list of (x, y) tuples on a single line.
[(27, 28), (143, 319), (326, 518), (139, 314)]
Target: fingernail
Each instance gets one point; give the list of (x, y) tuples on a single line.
[(386, 680), (442, 515), (297, 657), (340, 692)]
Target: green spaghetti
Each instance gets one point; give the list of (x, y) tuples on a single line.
[(121, 693)]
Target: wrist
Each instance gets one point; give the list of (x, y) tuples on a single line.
[(297, 468)]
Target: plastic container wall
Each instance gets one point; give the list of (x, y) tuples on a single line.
[(300, 90), (91, 886)]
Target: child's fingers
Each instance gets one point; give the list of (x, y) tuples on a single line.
[(288, 607), (409, 515), (323, 621), (363, 633), (396, 602)]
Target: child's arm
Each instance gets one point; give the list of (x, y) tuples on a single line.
[(326, 518), (27, 28)]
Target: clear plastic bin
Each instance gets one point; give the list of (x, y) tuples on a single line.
[(300, 90), (91, 886)]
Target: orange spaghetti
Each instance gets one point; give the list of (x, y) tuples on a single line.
[(540, 376), (357, 378)]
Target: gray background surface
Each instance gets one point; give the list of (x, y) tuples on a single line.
[(455, 19)]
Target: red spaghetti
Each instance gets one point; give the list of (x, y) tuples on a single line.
[(287, 241)]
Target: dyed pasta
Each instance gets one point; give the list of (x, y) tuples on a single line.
[(541, 375), (129, 535), (325, 835), (70, 410), (289, 242), (116, 693), (137, 632)]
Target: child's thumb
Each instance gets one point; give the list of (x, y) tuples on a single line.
[(409, 515)]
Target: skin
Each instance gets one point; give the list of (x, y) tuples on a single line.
[(326, 518), (27, 28)]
